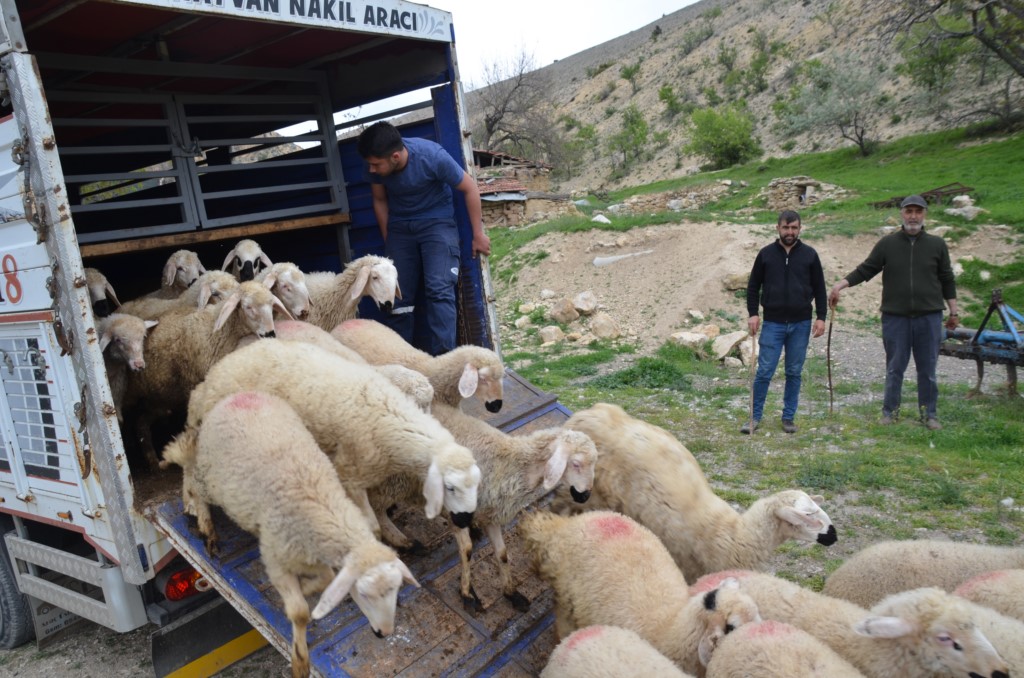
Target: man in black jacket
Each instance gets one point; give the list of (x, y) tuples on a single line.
[(917, 281), (786, 277)]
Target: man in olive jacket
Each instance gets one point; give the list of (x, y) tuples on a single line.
[(785, 278), (916, 277)]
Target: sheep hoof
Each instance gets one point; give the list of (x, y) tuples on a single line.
[(471, 603), (415, 548), (519, 602), (213, 546)]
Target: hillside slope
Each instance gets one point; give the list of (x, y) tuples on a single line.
[(588, 86)]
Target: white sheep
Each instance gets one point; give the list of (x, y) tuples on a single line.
[(368, 427), (121, 341), (254, 458), (245, 260), (288, 283), (774, 649), (101, 293), (1000, 590), (410, 382), (646, 473), (607, 652), (184, 346), (892, 566), (460, 373), (932, 634), (181, 270), (517, 471), (606, 568), (210, 288), (335, 297)]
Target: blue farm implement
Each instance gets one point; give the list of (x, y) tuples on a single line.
[(982, 345)]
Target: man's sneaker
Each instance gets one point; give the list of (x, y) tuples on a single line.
[(788, 426), (886, 420), (932, 424), (746, 428)]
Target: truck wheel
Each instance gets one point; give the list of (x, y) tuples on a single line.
[(15, 617)]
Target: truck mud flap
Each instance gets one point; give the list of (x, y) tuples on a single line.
[(434, 635)]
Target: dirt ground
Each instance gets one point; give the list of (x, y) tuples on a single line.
[(677, 268)]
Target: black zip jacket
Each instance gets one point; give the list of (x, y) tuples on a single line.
[(785, 284)]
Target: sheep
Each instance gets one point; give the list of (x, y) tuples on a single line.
[(181, 270), (210, 288), (101, 293), (392, 436), (517, 471), (121, 338), (288, 283), (245, 260), (410, 382), (607, 652), (646, 473), (335, 297), (290, 498), (184, 346), (457, 374), (606, 568), (773, 649), (893, 566), (932, 634), (999, 590)]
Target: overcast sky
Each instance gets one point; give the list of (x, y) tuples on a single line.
[(487, 31)]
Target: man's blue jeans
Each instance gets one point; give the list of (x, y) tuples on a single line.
[(426, 254), (774, 338), (902, 337)]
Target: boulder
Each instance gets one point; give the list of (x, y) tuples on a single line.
[(724, 344), (693, 340), (604, 326), (563, 312), (585, 302), (601, 219), (551, 334), (736, 281)]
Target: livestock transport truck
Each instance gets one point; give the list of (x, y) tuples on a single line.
[(133, 128)]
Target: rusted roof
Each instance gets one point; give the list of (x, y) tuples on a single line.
[(500, 185)]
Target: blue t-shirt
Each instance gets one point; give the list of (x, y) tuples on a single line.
[(421, 190)]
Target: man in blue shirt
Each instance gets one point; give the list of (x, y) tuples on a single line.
[(411, 181)]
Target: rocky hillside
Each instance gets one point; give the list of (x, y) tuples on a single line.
[(684, 50)]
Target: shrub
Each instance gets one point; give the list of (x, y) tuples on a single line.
[(725, 136)]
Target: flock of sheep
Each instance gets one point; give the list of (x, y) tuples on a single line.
[(653, 573)]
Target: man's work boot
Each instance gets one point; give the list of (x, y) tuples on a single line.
[(747, 428)]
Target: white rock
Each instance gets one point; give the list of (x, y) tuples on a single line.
[(585, 302), (527, 309), (747, 350), (732, 362), (688, 339), (958, 269), (601, 219), (582, 202), (563, 312), (985, 275), (548, 294), (968, 213), (1007, 502), (604, 326), (962, 201), (614, 209), (695, 315), (523, 321), (724, 344), (604, 261), (709, 330), (551, 334)]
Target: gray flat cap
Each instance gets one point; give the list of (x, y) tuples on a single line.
[(914, 200)]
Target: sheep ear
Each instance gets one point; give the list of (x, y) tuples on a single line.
[(205, 292), (284, 309), (266, 260), (270, 280), (335, 592), (468, 381), (105, 339), (407, 574), (555, 466), (707, 646), (359, 286), (794, 517), (817, 499), (398, 291), (433, 491), (227, 259), (110, 291), (226, 310), (202, 269), (170, 268), (883, 627), (150, 324)]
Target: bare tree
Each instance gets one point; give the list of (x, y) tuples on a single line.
[(514, 105), (998, 25)]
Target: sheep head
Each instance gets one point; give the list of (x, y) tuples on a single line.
[(255, 305), (573, 459), (376, 278), (246, 259), (182, 269), (288, 284), (452, 483), (125, 335), (802, 519), (723, 609)]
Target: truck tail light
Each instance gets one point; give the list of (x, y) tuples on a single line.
[(185, 583)]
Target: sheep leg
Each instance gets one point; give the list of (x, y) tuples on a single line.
[(470, 601), (204, 521), (144, 433), (362, 500), (390, 532), (297, 611), (520, 602)]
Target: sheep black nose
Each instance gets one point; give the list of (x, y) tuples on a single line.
[(101, 308), (829, 537), (377, 633), (493, 405), (385, 306), (1000, 674), (462, 520), (269, 335), (247, 272), (579, 497)]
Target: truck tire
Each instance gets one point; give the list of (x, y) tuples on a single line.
[(15, 616)]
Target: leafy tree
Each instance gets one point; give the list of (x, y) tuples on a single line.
[(673, 106), (518, 116), (930, 62), (725, 135), (839, 95), (630, 73), (997, 25), (632, 138)]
